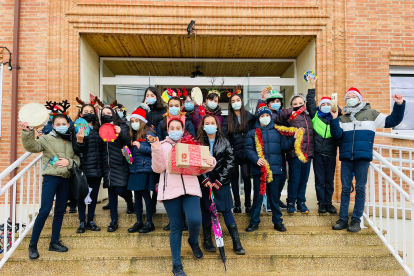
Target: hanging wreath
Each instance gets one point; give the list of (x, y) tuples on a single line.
[(290, 131), (267, 174)]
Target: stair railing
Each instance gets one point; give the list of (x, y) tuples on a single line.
[(29, 183), (389, 205)]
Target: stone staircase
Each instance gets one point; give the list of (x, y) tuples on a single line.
[(309, 247)]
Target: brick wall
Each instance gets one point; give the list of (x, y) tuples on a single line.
[(355, 40)]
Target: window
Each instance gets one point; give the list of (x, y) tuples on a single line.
[(402, 82)]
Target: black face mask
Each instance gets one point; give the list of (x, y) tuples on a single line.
[(297, 108), (89, 117), (106, 119)]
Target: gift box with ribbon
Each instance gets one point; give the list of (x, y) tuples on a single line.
[(187, 159)]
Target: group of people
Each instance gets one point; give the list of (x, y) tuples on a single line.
[(260, 144)]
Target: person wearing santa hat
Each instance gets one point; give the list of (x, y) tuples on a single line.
[(326, 147), (355, 131), (141, 177)]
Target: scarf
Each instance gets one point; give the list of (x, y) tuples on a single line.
[(353, 111), (324, 115), (212, 112)]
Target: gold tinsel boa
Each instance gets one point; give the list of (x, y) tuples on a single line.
[(290, 131), (267, 174)]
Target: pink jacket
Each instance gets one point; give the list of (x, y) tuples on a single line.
[(173, 185)]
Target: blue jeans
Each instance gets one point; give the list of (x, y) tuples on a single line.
[(94, 183), (174, 208), (348, 169), (298, 179), (272, 198), (51, 186)]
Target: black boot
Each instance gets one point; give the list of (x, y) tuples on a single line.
[(136, 227), (148, 227), (106, 207), (234, 233), (167, 228), (178, 270), (330, 208), (113, 226), (33, 253), (81, 228), (130, 208), (248, 206), (237, 204), (197, 253), (208, 243), (58, 247), (321, 208)]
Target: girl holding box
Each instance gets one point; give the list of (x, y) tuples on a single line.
[(178, 192)]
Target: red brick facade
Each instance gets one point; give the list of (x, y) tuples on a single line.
[(356, 41)]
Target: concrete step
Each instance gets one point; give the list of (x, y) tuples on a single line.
[(265, 236), (158, 260), (102, 218)]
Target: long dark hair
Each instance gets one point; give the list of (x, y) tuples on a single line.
[(164, 120), (158, 104), (201, 133), (116, 119), (141, 133), (233, 117), (95, 124)]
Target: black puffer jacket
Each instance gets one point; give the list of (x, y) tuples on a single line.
[(116, 168), (91, 158), (154, 116), (224, 156), (238, 139), (303, 120), (325, 146)]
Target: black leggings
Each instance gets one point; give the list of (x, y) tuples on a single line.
[(113, 193), (139, 195), (245, 171)]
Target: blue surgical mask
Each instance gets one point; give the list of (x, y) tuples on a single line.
[(352, 102), (212, 105), (265, 120), (210, 129), (62, 129), (174, 110), (326, 109), (189, 106), (175, 135), (135, 126), (236, 105), (121, 114), (150, 100), (275, 106)]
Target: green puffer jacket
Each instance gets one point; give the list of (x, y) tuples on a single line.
[(51, 145)]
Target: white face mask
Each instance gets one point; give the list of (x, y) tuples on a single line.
[(352, 102), (236, 105), (265, 120), (135, 126), (212, 105)]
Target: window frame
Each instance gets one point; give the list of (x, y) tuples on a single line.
[(395, 71)]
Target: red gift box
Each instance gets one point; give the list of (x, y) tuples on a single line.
[(186, 159)]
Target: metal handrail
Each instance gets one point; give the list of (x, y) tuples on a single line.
[(30, 178), (385, 198), (395, 136)]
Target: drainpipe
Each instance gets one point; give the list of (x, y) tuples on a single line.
[(15, 66)]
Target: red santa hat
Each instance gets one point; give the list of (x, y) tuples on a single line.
[(325, 100), (354, 90), (140, 114)]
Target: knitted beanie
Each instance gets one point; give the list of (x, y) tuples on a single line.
[(262, 110)]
